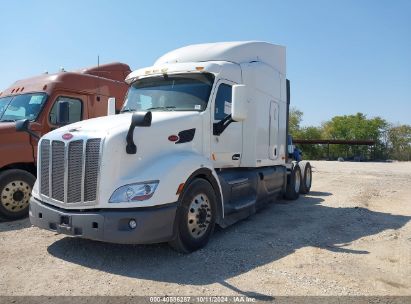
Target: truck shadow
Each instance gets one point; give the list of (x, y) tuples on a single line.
[(275, 232), (8, 225)]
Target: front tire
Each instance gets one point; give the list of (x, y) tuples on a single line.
[(15, 193), (195, 219)]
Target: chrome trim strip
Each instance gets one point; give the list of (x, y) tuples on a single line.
[(238, 181), (50, 168), (39, 166), (83, 172), (66, 151), (99, 169)]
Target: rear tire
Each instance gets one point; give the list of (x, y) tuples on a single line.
[(307, 176), (195, 218), (292, 191), (15, 193)]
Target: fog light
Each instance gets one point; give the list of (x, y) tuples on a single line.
[(132, 224)]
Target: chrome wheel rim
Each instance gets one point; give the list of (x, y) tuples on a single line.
[(199, 216), (308, 178), (297, 181), (15, 196)]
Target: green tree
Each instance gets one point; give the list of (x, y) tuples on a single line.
[(355, 127), (312, 151), (295, 118), (399, 142), (391, 141), (298, 132)]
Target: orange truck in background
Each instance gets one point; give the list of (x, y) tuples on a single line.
[(44, 103)]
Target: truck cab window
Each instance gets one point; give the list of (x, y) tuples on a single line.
[(223, 102), (75, 110), (24, 106)]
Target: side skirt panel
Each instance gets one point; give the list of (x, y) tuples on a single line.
[(245, 190)]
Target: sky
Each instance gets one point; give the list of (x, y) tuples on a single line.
[(343, 57)]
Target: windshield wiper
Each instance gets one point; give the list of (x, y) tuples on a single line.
[(165, 108), (8, 120), (128, 110)]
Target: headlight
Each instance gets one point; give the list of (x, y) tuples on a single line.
[(134, 192)]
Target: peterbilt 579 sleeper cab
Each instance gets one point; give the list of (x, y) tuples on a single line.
[(201, 140)]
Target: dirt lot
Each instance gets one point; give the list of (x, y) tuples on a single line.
[(350, 236)]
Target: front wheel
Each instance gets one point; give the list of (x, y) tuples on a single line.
[(15, 193), (195, 217)]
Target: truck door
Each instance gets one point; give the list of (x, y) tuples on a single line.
[(273, 130), (226, 148), (76, 110)]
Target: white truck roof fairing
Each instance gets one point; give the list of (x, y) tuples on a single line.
[(189, 67), (236, 52)]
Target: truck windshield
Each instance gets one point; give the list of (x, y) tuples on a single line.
[(180, 92), (24, 106)]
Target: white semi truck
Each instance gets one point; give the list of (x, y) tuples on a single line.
[(201, 141)]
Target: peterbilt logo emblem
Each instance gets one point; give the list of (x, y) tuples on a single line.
[(67, 136)]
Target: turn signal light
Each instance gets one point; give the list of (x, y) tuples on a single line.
[(180, 188)]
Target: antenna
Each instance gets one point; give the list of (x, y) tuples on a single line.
[(98, 79)]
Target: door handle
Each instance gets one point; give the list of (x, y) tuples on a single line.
[(236, 156)]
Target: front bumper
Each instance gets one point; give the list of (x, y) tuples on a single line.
[(154, 225)]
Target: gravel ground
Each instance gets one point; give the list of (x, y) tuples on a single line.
[(350, 236)]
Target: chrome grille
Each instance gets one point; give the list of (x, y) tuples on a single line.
[(92, 168), (44, 166), (57, 170), (75, 168), (69, 171)]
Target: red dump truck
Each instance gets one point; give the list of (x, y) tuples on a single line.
[(44, 103)]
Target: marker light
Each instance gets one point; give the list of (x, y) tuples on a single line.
[(180, 188), (134, 192), (132, 224), (173, 138)]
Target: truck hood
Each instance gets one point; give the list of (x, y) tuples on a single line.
[(155, 144), (15, 147), (7, 127), (119, 123)]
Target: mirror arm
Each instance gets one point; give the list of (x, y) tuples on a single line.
[(131, 147), (23, 126), (137, 120), (219, 127), (33, 134)]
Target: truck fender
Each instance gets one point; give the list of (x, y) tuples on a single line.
[(191, 166), (171, 170), (210, 175)]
